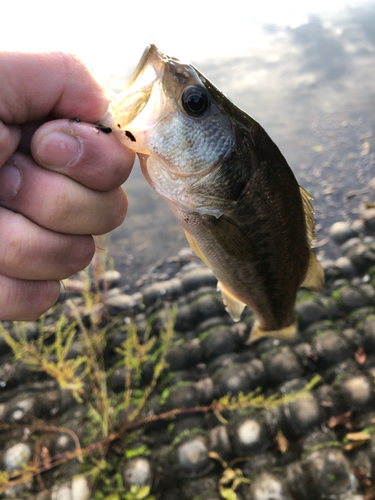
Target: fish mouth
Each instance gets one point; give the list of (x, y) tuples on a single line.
[(147, 76), (149, 53)]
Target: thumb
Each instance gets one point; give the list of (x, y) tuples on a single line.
[(10, 136)]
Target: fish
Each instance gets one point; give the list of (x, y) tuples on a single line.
[(227, 183)]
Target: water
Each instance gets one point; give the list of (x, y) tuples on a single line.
[(312, 88)]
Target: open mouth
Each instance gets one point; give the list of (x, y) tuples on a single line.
[(149, 51), (138, 90)]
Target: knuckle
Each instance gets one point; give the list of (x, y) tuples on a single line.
[(82, 252)]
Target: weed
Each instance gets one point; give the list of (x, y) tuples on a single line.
[(47, 355), (231, 478)]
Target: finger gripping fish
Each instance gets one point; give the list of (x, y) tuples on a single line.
[(227, 183)]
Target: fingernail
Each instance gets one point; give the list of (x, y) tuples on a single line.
[(59, 149), (10, 180)]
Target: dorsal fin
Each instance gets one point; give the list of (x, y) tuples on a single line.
[(308, 211), (314, 279)]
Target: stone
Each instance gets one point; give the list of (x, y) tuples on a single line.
[(197, 488), (256, 373), (119, 377), (197, 278), (368, 217), (269, 487), (233, 379), (62, 443), (23, 409), (362, 257), (341, 232), (186, 423), (207, 306), (75, 350), (353, 337), (309, 311), (357, 392), (327, 397), (193, 351), (317, 439), (109, 279), (338, 370), (369, 331), (295, 479), (353, 298), (205, 388), (331, 347), (177, 358), (305, 354), (259, 462), (369, 292), (328, 472), (350, 244), (219, 441), (249, 435), (182, 396), (302, 415), (281, 365), (330, 306), (192, 456), (162, 290), (292, 386), (346, 267), (217, 342), (121, 303), (17, 456), (331, 271), (61, 492), (138, 471), (79, 488), (184, 318)]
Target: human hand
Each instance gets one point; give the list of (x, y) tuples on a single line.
[(59, 180)]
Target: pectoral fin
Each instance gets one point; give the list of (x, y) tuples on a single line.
[(195, 247), (230, 238), (257, 333), (314, 279), (232, 305)]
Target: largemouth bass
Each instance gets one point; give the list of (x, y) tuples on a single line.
[(227, 183)]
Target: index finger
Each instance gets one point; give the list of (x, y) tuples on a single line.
[(35, 85)]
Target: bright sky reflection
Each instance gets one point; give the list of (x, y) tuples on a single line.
[(110, 37)]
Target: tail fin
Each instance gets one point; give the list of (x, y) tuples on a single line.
[(257, 333)]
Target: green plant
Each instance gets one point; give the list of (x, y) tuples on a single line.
[(139, 493), (135, 354), (231, 478), (48, 353)]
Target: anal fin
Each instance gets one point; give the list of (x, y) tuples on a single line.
[(232, 305), (314, 279), (287, 333)]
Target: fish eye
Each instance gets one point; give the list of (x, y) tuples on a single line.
[(195, 100)]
